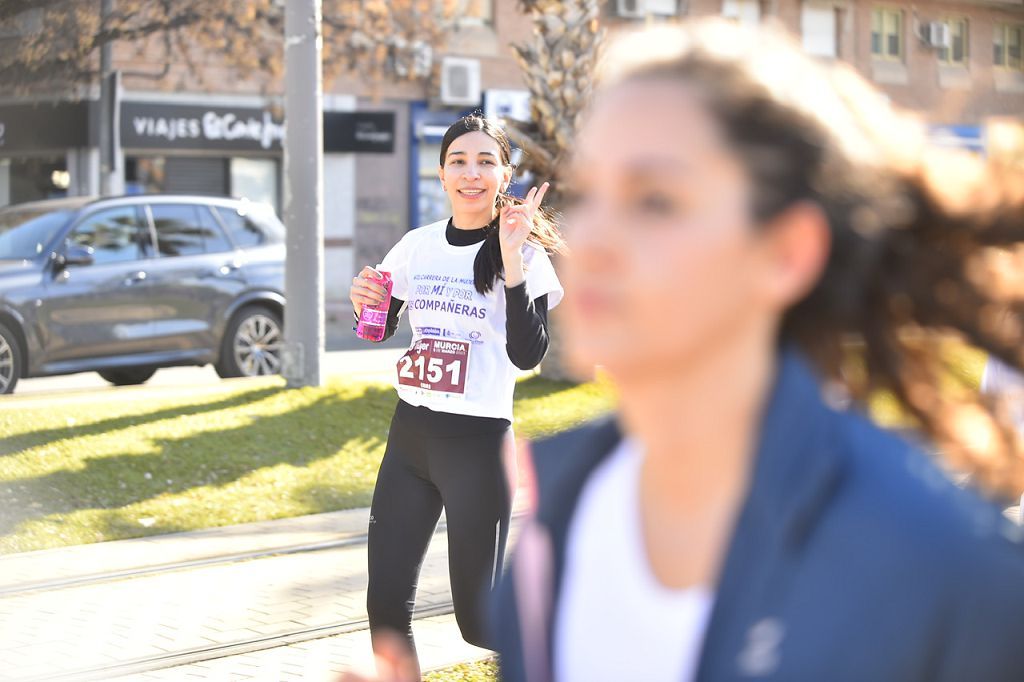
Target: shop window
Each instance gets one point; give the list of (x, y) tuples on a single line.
[(144, 174), (956, 53), (34, 178), (113, 236), (1006, 44), (243, 231), (187, 230), (887, 33), (255, 179)]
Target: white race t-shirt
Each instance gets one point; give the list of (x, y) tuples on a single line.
[(615, 620), (457, 361)]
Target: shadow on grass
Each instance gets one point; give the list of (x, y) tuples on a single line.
[(299, 437), (539, 387), (323, 497), (14, 444)]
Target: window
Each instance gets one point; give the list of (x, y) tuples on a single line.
[(186, 230), (479, 11), (254, 179), (144, 174), (112, 236), (1007, 46), (819, 27), (25, 233), (243, 231), (746, 12), (887, 33), (468, 12), (956, 53)]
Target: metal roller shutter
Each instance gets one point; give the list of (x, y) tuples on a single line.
[(196, 176)]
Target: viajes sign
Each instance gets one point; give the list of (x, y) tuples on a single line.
[(152, 125), (183, 127)]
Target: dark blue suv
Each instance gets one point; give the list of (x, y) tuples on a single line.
[(126, 285)]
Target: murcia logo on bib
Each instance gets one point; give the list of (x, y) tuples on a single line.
[(436, 366)]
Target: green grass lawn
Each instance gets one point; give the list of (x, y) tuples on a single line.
[(477, 671), (112, 466)]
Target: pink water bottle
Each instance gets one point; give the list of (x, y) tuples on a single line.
[(374, 318)]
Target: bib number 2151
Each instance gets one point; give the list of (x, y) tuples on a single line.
[(435, 365)]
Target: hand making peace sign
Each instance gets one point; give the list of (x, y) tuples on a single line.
[(517, 221)]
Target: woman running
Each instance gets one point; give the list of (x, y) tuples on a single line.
[(759, 243), (477, 288)]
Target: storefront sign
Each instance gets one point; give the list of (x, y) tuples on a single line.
[(43, 127), (146, 125), (359, 131), (151, 125)]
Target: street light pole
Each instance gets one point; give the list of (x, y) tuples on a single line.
[(303, 195), (109, 135)]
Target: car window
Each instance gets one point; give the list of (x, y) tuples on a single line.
[(213, 235), (113, 235), (24, 234), (245, 233), (187, 230)]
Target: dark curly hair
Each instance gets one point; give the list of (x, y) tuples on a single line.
[(915, 231)]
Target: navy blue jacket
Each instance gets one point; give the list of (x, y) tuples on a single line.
[(853, 558)]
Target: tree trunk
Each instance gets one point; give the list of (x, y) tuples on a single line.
[(558, 65)]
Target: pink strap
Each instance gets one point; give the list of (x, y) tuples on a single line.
[(533, 582)]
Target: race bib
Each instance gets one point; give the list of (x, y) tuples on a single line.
[(438, 365)]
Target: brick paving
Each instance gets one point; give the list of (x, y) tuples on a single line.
[(85, 627)]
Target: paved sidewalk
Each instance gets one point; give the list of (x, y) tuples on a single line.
[(303, 577)]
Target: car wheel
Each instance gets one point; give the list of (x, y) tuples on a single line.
[(128, 376), (10, 360), (252, 344)]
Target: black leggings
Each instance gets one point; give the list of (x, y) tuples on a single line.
[(435, 460)]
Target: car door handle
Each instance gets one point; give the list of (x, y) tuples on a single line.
[(228, 268), (135, 278)]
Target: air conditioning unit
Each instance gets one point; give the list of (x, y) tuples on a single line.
[(460, 81), (639, 9), (630, 9), (937, 34)]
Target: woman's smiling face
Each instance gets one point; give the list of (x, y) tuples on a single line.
[(474, 172)]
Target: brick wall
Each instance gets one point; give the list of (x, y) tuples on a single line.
[(946, 95), (942, 94)]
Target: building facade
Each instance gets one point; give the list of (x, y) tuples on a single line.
[(207, 130)]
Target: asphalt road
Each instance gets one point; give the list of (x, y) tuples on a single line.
[(346, 354)]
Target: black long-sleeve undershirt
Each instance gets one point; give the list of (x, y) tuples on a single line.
[(526, 321)]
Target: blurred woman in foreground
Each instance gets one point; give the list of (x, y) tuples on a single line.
[(757, 240)]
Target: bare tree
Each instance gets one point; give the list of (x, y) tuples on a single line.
[(50, 44), (558, 67)]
